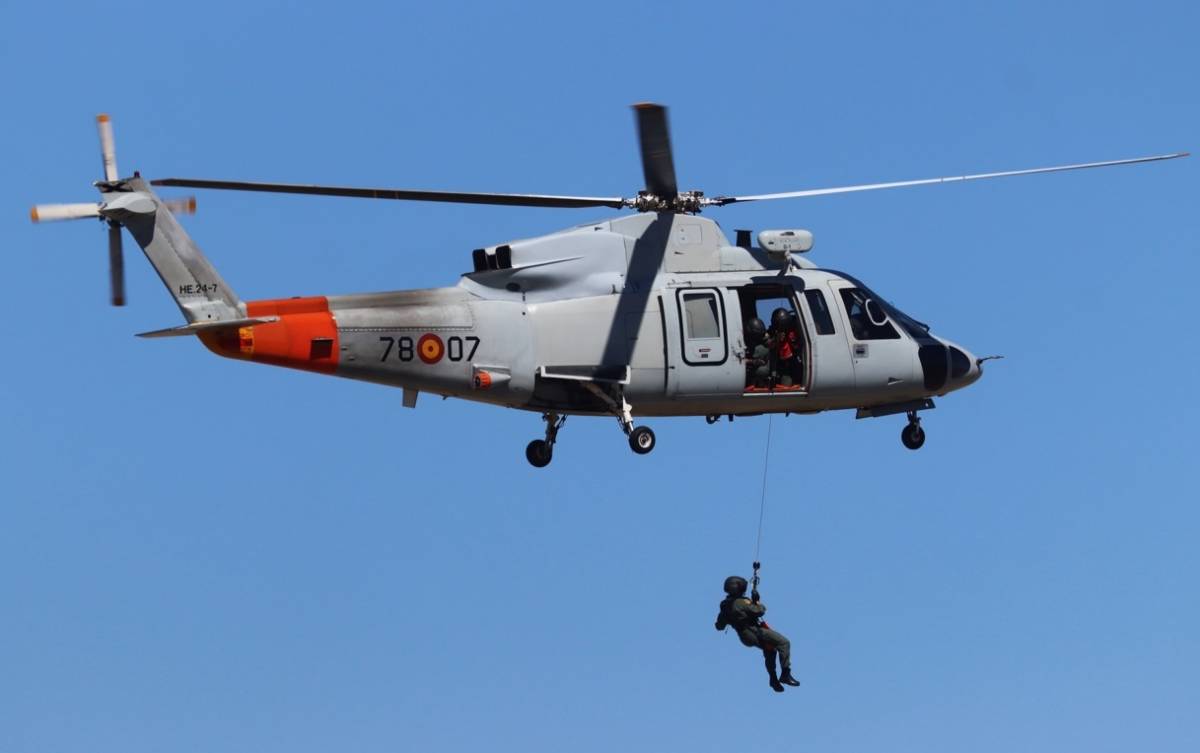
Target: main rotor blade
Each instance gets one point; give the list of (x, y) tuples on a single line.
[(116, 265), (505, 199), (108, 151), (655, 140), (723, 200)]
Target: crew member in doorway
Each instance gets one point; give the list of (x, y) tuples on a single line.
[(785, 342), (745, 616), (758, 354)]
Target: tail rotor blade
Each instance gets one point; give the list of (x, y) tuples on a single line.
[(655, 140), (108, 151), (116, 264), (56, 212), (181, 206)]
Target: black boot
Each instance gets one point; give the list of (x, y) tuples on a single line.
[(778, 688), (787, 678)]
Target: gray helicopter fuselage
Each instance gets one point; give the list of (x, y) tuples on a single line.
[(654, 312), (649, 308)]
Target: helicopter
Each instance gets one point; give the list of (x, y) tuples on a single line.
[(653, 313)]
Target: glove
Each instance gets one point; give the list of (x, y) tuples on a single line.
[(754, 596)]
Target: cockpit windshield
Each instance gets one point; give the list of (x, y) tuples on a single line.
[(912, 326)]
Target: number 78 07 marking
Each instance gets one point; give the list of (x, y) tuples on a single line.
[(457, 348)]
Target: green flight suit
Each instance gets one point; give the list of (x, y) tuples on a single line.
[(758, 366), (745, 617)]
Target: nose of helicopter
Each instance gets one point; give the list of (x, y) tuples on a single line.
[(965, 368)]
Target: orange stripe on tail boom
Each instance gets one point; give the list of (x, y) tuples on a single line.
[(305, 337)]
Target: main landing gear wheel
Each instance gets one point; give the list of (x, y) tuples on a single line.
[(641, 440), (539, 453), (913, 436)]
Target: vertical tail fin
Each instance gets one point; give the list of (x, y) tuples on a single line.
[(192, 281)]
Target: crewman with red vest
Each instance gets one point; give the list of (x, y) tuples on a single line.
[(785, 343)]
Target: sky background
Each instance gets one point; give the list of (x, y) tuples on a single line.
[(198, 554)]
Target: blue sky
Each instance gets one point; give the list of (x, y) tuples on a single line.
[(198, 554)]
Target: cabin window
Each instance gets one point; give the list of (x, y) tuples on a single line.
[(702, 318), (820, 312), (702, 325), (868, 321)]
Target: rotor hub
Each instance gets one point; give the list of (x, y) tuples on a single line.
[(689, 202)]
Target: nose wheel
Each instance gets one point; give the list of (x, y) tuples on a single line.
[(913, 436)]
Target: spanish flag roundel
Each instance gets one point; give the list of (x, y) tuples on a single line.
[(430, 348)]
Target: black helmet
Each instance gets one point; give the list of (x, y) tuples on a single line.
[(755, 331), (781, 319), (735, 585)]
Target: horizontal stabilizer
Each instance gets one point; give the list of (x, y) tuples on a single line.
[(198, 328)]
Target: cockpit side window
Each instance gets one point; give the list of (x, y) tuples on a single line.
[(820, 311), (917, 330), (868, 320)]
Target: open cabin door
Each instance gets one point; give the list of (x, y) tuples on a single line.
[(778, 360)]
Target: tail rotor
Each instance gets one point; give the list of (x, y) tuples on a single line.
[(116, 257), (116, 265)]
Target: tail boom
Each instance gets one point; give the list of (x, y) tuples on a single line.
[(303, 335), (190, 278)]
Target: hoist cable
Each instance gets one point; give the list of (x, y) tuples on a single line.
[(762, 502)]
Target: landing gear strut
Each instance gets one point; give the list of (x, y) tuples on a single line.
[(641, 438), (913, 436), (540, 452)]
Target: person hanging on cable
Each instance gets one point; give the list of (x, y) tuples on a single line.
[(745, 616)]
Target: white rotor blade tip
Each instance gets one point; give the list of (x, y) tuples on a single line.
[(55, 212), (108, 152)]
